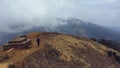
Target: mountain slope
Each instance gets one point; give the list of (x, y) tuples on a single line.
[(115, 28), (65, 51), (72, 26), (78, 27)]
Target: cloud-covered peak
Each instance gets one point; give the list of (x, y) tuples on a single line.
[(40, 12)]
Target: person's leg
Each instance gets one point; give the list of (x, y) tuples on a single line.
[(38, 43)]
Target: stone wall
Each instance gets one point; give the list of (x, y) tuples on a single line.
[(21, 45), (3, 56), (10, 52)]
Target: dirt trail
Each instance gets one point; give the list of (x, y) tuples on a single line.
[(21, 54)]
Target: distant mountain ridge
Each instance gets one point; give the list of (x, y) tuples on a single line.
[(115, 28), (89, 29), (72, 26)]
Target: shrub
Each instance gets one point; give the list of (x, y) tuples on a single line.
[(117, 58), (110, 53), (114, 53), (11, 65)]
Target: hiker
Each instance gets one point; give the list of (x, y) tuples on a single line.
[(38, 41)]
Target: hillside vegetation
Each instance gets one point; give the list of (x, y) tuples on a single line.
[(63, 51)]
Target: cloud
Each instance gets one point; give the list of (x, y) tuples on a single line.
[(41, 12), (101, 1)]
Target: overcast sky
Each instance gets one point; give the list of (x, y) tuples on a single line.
[(32, 12)]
